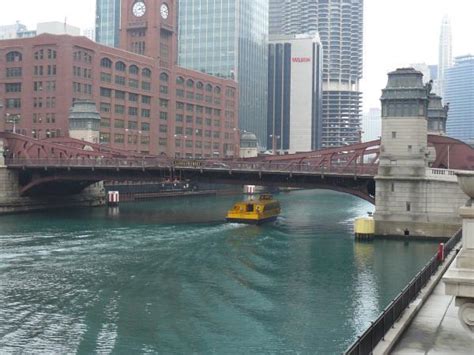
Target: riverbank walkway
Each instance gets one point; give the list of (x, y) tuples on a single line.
[(432, 327)]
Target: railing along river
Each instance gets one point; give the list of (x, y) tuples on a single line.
[(367, 342)]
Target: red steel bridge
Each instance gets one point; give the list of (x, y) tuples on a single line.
[(66, 166)]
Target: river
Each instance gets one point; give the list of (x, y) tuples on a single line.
[(170, 276)]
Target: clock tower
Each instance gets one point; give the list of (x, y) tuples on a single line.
[(148, 27)]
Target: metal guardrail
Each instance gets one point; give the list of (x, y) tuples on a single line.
[(150, 163), (367, 342)]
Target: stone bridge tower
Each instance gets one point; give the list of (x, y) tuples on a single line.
[(410, 199)]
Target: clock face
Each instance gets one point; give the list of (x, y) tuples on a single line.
[(164, 11), (139, 9)]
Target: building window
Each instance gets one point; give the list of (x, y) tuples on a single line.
[(132, 97), (408, 206), (105, 122), (133, 69), (145, 113), (146, 73), (119, 138), (132, 125), (209, 88), (13, 103), (14, 57), (163, 115), (162, 142), (105, 92), (189, 83), (164, 77), (179, 92), (133, 83), (163, 128), (163, 89), (145, 139), (104, 138), (104, 107), (120, 66), (106, 77), (163, 103), (119, 124), (13, 87), (120, 95), (120, 109), (180, 80), (146, 85), (217, 90), (179, 118), (394, 135), (51, 54), (199, 85), (132, 111), (146, 100), (145, 126), (393, 187), (106, 63), (119, 80), (14, 72)]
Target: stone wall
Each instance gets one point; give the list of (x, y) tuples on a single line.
[(424, 207)]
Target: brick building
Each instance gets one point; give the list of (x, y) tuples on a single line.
[(146, 102)]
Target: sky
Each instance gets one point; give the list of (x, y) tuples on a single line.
[(397, 33)]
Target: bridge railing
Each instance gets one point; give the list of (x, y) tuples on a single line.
[(367, 342), (219, 165), (442, 174)]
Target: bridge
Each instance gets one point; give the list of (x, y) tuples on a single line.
[(59, 166)]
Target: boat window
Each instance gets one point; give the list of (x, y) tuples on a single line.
[(249, 208)]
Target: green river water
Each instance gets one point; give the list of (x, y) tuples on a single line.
[(169, 276)]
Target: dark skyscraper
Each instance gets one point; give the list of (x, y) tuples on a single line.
[(107, 22), (340, 27)]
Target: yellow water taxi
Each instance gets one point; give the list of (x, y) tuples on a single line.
[(265, 209)]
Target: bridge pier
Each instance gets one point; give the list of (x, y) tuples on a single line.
[(412, 200), (11, 200)]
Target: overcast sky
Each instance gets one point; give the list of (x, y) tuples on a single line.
[(396, 32)]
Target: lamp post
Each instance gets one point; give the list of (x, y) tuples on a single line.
[(274, 142), (12, 118)]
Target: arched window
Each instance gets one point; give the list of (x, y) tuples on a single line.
[(217, 90), (133, 69), (189, 83), (164, 77), (199, 85), (106, 63), (209, 87), (120, 66), (180, 80), (146, 73), (14, 57)]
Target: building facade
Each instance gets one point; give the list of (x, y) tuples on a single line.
[(107, 25), (459, 94), (372, 125), (445, 55), (12, 31), (340, 25), (294, 93), (146, 103), (229, 39)]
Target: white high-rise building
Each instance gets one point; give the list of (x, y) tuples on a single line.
[(445, 54), (339, 24), (12, 31)]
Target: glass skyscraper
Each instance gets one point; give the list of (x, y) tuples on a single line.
[(107, 23), (339, 24), (459, 94), (229, 38)]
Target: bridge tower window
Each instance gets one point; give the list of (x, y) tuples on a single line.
[(394, 135), (408, 206)]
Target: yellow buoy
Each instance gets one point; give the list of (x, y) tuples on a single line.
[(364, 227)]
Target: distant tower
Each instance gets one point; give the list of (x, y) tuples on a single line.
[(445, 54), (459, 94), (84, 121), (107, 22)]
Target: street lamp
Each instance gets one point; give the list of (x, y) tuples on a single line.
[(274, 140), (12, 118)]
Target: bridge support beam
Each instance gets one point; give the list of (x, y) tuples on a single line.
[(12, 202)]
